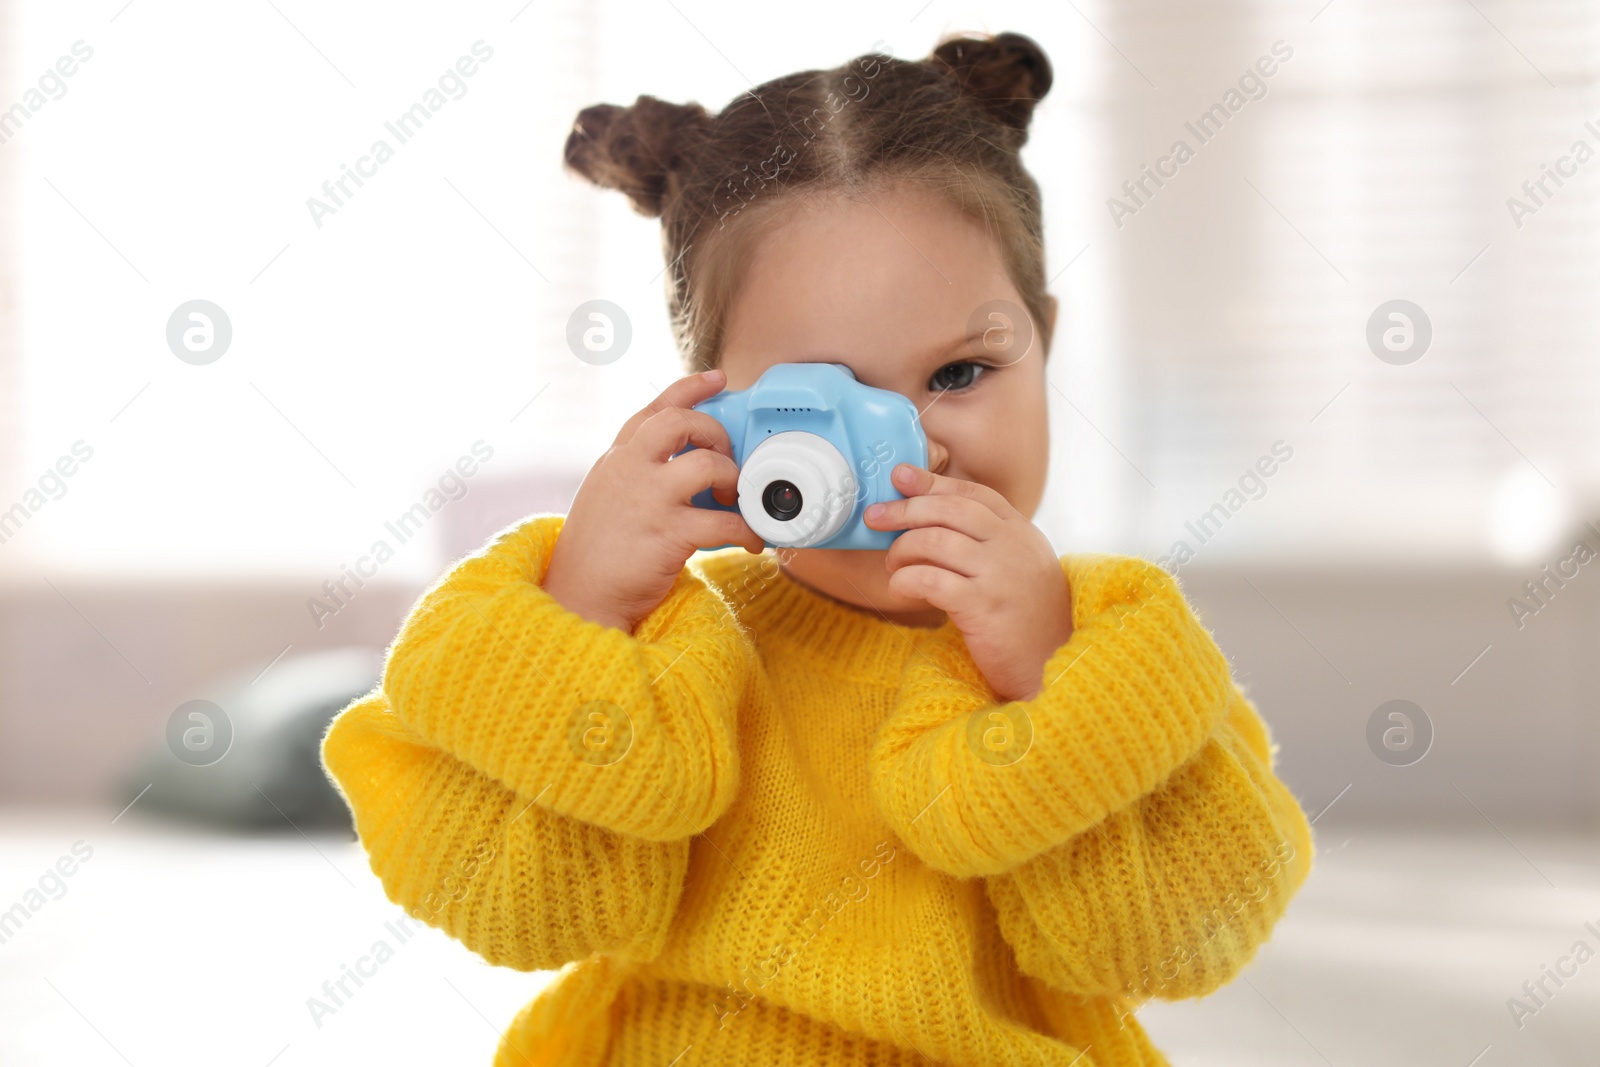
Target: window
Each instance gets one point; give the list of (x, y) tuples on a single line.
[(380, 331), (1376, 164)]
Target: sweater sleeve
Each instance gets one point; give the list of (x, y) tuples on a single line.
[(1171, 896), (520, 885), (634, 733), (975, 787)]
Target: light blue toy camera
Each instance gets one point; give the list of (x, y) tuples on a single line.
[(815, 447)]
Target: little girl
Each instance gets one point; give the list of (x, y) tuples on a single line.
[(960, 802)]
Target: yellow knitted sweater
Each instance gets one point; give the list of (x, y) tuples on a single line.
[(769, 828)]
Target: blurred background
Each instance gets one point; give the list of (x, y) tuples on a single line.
[(244, 422)]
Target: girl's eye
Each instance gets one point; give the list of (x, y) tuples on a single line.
[(960, 380)]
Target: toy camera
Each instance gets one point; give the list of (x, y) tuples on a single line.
[(815, 447)]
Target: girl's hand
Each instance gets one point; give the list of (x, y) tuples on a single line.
[(967, 551), (631, 526)]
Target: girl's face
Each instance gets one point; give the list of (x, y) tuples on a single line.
[(890, 289)]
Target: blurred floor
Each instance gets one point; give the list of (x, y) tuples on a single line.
[(1403, 947), (172, 947)]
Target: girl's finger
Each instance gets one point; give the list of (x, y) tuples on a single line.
[(918, 481), (707, 528), (945, 590), (670, 430), (703, 468), (686, 392), (938, 546), (960, 513)]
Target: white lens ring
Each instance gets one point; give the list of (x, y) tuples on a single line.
[(817, 469)]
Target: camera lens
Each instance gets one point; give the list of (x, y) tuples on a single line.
[(782, 500), (795, 489)]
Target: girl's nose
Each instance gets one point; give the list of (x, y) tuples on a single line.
[(938, 456)]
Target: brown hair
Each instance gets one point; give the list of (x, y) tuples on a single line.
[(954, 122)]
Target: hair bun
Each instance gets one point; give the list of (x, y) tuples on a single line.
[(1008, 74), (635, 149)]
